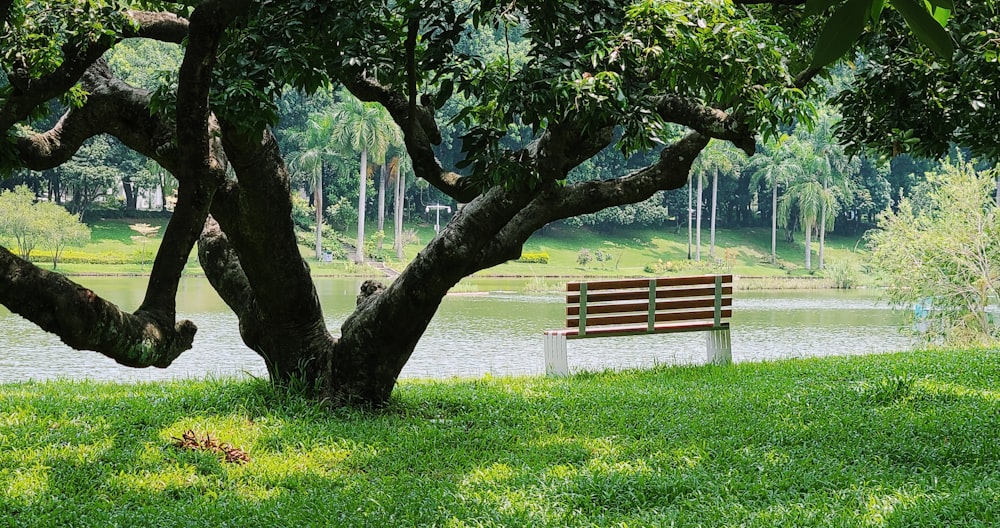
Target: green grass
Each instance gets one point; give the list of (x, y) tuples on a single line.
[(745, 252), (887, 440)]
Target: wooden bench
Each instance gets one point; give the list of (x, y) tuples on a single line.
[(645, 306)]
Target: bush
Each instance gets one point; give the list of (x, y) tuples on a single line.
[(844, 273), (534, 258)]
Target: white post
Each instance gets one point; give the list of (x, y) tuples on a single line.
[(555, 353), (719, 347)]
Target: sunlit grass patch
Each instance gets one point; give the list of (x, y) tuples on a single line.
[(789, 443)]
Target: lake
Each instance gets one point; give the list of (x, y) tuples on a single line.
[(489, 327)]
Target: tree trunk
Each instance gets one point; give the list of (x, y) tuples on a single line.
[(822, 229), (318, 205), (697, 228), (362, 199), (130, 195), (715, 204), (398, 212), (774, 223), (689, 211), (808, 231), (383, 173)]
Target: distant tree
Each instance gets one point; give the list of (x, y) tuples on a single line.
[(314, 150), (18, 221), (367, 129), (60, 229), (944, 259), (715, 159), (779, 164)]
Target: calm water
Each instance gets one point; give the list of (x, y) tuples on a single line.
[(492, 329)]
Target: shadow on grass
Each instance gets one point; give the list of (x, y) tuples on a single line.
[(796, 443)]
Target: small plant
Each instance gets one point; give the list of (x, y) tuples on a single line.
[(539, 285), (145, 231), (844, 273), (889, 389), (583, 257), (660, 267)]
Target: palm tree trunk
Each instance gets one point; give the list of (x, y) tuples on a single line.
[(689, 211), (822, 227), (697, 227), (398, 213), (318, 203), (774, 223), (808, 246), (381, 206), (715, 204), (362, 198)]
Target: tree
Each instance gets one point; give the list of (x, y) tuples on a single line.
[(776, 166), (944, 259), (714, 160), (61, 229), (658, 79), (368, 129), (315, 149), (806, 197), (399, 167), (18, 220)]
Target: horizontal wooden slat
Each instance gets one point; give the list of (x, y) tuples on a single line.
[(643, 294), (644, 283), (606, 331), (605, 320), (674, 304)]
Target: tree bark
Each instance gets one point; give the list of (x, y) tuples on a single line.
[(130, 201)]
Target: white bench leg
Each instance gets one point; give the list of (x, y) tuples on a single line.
[(555, 354), (720, 349)]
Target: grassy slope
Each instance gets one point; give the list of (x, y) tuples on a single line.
[(748, 252), (886, 440), (744, 251)]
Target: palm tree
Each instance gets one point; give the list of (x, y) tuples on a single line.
[(771, 168), (714, 159), (368, 129), (833, 168), (314, 152), (807, 196), (399, 166)]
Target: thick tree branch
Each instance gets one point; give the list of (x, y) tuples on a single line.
[(85, 321), (29, 93), (166, 27), (671, 171), (709, 121), (201, 168), (112, 107), (419, 134)]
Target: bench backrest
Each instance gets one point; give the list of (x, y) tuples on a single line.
[(640, 306)]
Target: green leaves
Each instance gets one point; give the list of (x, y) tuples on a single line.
[(925, 18), (841, 30), (926, 27)]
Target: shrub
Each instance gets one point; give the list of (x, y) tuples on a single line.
[(534, 258)]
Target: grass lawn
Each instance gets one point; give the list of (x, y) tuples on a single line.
[(886, 440), (746, 252)]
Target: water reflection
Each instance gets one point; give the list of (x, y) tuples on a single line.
[(497, 332)]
